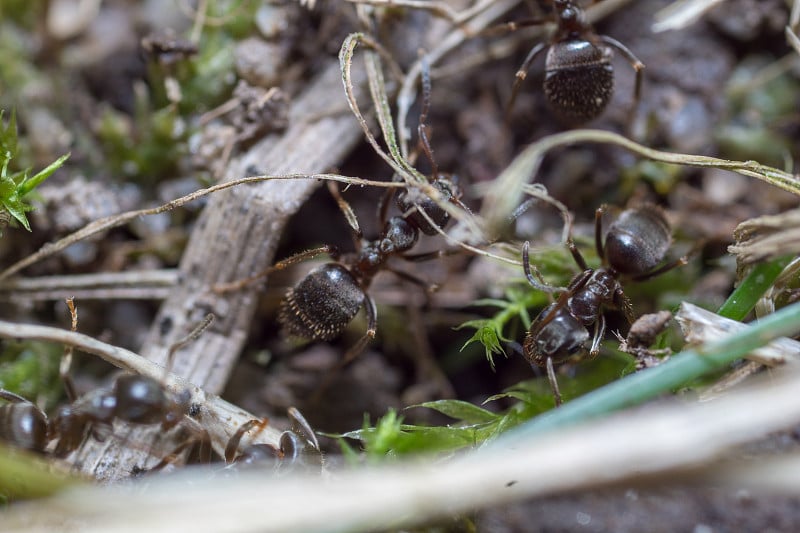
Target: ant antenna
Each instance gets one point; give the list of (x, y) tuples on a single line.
[(423, 115), (188, 339)]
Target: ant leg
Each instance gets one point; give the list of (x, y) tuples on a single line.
[(372, 328), (537, 284), (522, 73), (426, 256), (622, 303), (427, 287), (599, 333), (665, 268), (171, 457), (188, 339), (425, 76), (577, 284), (681, 261), (551, 376), (13, 397), (222, 288), (354, 351), (508, 27), (598, 231), (576, 254), (348, 213), (636, 64), (233, 443), (383, 206)]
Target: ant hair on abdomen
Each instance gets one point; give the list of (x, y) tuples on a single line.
[(579, 77)]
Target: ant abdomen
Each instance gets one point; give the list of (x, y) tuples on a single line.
[(23, 424), (638, 240), (579, 79), (322, 304)]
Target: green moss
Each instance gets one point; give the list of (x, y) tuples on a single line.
[(30, 369)]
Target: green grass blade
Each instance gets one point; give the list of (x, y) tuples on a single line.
[(744, 298), (24, 475), (672, 374)]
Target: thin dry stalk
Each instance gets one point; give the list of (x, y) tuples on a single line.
[(144, 284), (506, 191), (115, 221), (441, 8), (680, 14)]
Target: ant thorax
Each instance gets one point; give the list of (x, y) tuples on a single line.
[(599, 290)]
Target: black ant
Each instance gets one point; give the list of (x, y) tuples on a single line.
[(579, 77), (323, 303), (635, 243), (132, 398)]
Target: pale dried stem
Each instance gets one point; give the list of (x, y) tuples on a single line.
[(139, 285), (677, 441), (681, 14)]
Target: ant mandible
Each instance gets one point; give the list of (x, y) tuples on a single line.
[(579, 77), (323, 303), (635, 243)]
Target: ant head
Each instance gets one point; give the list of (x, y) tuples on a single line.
[(411, 202), (399, 236), (570, 16)]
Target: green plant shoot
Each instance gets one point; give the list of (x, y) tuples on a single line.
[(16, 186)]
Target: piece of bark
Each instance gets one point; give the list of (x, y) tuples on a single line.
[(235, 237)]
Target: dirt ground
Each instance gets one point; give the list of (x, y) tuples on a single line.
[(87, 84)]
